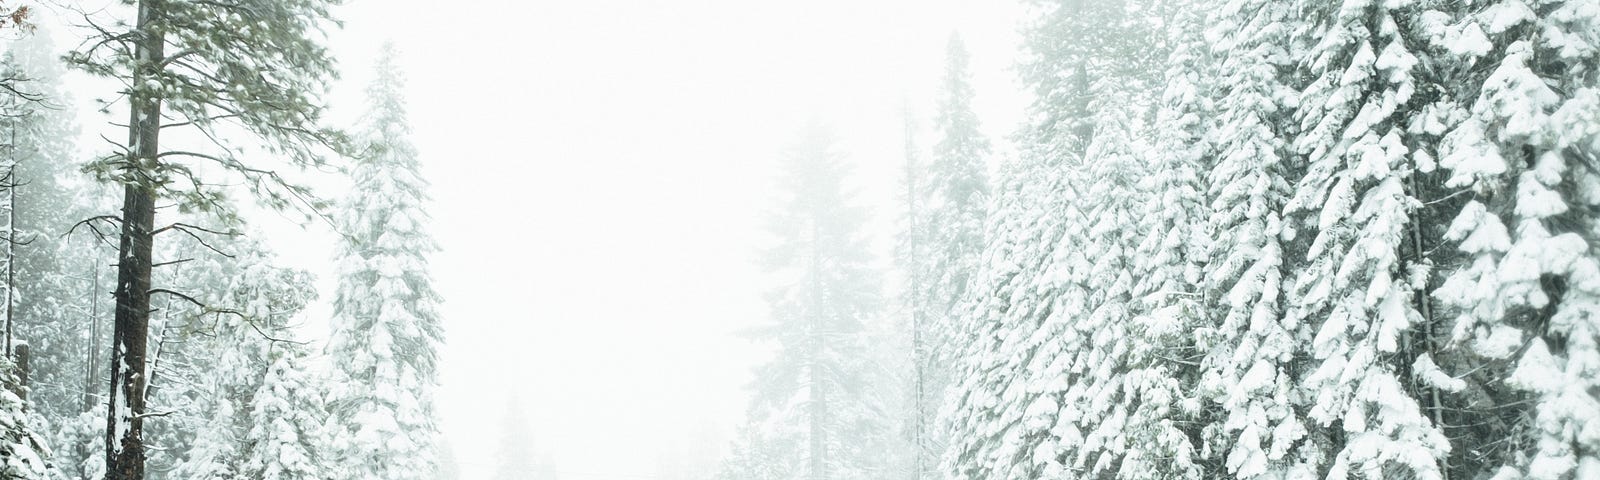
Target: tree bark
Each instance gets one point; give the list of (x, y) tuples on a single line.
[(125, 456), (24, 370)]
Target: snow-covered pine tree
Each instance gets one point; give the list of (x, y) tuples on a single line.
[(1069, 44), (1013, 416), (81, 445), (1354, 290), (819, 386), (1523, 349), (1252, 426), (1160, 379), (212, 448), (386, 331), (287, 436), (198, 437), (209, 360), (1001, 410), (945, 238), (22, 451), (196, 67), (1094, 406), (957, 190)]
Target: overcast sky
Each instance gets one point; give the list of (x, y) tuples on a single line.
[(600, 170)]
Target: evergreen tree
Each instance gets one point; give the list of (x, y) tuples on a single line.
[(1096, 405), (1523, 353), (22, 451), (1039, 398), (287, 438), (386, 328), (816, 393), (1160, 383), (957, 193), (199, 65), (81, 445), (1249, 350), (943, 242), (1004, 408), (1068, 46), (212, 358), (1354, 289), (212, 448)]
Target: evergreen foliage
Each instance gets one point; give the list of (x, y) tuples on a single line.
[(820, 416), (386, 328)]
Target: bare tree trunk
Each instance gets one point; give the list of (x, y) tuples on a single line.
[(90, 375), (919, 354), (818, 409), (125, 457), (11, 239)]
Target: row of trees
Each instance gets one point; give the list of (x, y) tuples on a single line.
[(193, 368), (1242, 239)]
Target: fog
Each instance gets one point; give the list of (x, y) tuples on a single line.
[(826, 240), (601, 174)]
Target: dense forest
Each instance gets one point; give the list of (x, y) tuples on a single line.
[(1252, 239), (1242, 239)]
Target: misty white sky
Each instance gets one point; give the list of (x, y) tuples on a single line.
[(601, 170)]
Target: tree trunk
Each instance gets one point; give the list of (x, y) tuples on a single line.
[(1424, 300), (131, 334), (125, 457), (11, 240), (92, 357), (819, 430), (24, 370), (819, 396), (919, 354)]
